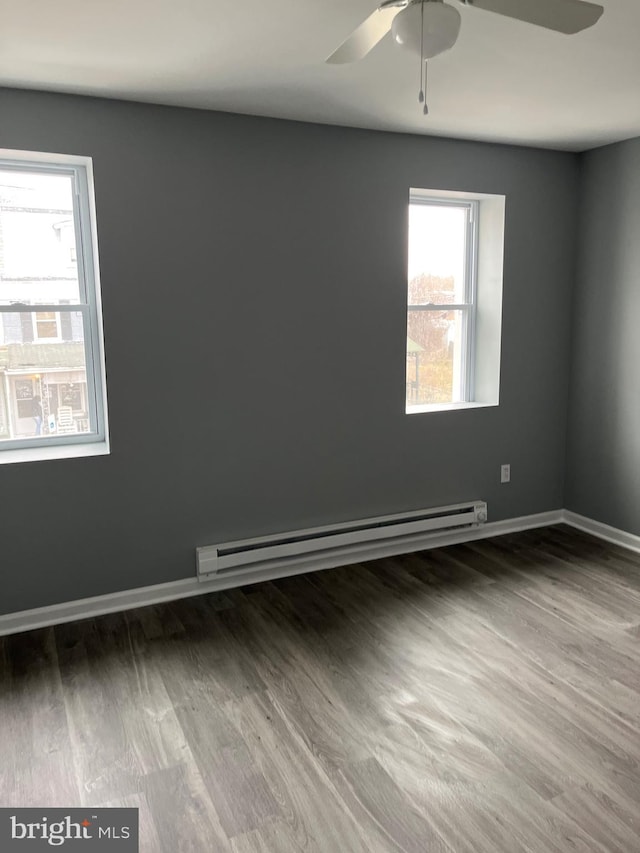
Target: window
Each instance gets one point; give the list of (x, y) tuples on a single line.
[(52, 381), (455, 248), (47, 325)]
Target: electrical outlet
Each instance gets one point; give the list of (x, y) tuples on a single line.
[(505, 473)]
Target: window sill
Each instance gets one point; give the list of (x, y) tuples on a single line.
[(60, 451), (446, 407)]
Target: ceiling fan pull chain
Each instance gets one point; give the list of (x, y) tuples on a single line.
[(421, 93), (425, 109)]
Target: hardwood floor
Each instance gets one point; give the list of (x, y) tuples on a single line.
[(474, 699)]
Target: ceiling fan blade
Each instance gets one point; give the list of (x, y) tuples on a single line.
[(564, 16), (366, 36)]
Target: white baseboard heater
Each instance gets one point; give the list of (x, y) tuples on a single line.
[(266, 557)]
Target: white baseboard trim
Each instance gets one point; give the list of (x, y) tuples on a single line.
[(602, 531), (86, 608)]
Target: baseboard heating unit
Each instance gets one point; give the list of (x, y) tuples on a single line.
[(266, 557)]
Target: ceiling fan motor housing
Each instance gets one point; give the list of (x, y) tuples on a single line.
[(427, 28)]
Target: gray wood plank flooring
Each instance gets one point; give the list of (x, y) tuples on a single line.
[(482, 698)]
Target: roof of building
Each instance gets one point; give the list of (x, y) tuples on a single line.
[(39, 357)]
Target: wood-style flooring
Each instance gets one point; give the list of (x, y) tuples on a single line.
[(482, 698)]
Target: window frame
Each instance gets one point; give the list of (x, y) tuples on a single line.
[(468, 307), (89, 305)]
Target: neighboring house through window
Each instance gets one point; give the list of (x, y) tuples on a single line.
[(455, 247), (52, 383)]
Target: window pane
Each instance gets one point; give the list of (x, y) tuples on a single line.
[(437, 240), (435, 357), (47, 330), (44, 385), (37, 238), (46, 325)]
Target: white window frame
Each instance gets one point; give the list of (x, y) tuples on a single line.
[(482, 305), (464, 372), (96, 441)]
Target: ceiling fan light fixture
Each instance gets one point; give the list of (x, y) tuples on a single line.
[(439, 22)]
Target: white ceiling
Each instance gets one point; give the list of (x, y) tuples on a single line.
[(503, 80)]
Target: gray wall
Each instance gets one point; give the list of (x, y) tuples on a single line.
[(603, 439), (254, 286)]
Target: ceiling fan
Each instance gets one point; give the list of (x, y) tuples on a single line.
[(432, 26)]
